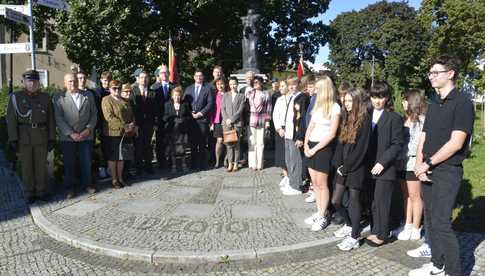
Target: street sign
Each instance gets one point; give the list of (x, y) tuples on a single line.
[(55, 4), (17, 16), (19, 8), (15, 48)]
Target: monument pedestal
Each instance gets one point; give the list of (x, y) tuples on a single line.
[(242, 80)]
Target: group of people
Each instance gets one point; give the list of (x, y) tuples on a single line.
[(351, 144), (345, 148)]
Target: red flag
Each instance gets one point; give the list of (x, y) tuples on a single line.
[(172, 63), (300, 71)]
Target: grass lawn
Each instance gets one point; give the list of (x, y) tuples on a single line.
[(470, 209)]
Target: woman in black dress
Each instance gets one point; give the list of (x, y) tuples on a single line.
[(353, 141), (177, 115)]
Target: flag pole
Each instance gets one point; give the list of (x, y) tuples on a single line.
[(31, 34)]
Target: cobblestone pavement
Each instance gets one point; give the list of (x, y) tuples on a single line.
[(26, 250)]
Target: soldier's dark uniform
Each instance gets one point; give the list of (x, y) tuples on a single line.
[(31, 128)]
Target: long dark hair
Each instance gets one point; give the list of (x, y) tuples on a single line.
[(351, 121), (416, 104)]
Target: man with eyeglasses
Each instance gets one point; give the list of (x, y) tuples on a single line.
[(442, 148)]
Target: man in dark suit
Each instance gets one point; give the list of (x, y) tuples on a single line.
[(147, 111), (201, 98), (162, 87)]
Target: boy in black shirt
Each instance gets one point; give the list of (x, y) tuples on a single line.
[(441, 151)]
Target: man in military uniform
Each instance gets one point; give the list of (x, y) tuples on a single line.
[(31, 132)]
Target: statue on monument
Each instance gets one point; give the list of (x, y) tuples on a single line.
[(250, 41)]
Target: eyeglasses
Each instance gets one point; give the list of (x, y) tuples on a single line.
[(115, 87), (434, 74)]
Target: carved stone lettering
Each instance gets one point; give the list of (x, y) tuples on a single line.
[(237, 227), (148, 222), (196, 227), (173, 225), (219, 225)]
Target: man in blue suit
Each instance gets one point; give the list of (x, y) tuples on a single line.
[(200, 97)]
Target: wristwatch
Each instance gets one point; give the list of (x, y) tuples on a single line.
[(429, 162)]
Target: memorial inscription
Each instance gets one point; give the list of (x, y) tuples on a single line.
[(185, 225)]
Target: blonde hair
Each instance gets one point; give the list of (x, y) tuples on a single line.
[(325, 91)]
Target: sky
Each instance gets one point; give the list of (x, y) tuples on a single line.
[(338, 6)]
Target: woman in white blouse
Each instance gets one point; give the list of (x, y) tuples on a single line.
[(318, 148)]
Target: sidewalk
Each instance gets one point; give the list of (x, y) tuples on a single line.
[(206, 223)]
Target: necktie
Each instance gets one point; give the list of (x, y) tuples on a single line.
[(143, 94), (165, 90), (197, 90)]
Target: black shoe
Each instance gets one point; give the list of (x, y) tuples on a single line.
[(139, 172), (31, 199)]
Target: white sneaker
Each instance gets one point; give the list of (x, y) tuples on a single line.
[(424, 251), (311, 197), (290, 191), (284, 181), (427, 269), (348, 244), (320, 224), (311, 219), (415, 234), (344, 231), (285, 186), (406, 232)]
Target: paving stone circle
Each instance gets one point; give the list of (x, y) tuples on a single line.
[(211, 211)]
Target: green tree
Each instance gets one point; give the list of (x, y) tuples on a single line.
[(120, 35), (386, 31), (457, 27)]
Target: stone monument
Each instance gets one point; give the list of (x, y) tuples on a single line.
[(250, 42), (249, 47)]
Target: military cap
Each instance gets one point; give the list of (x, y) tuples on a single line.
[(137, 72), (31, 75)]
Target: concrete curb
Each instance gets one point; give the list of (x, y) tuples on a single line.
[(158, 256)]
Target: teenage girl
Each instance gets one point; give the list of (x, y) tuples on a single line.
[(384, 147), (318, 148), (414, 105), (353, 140)]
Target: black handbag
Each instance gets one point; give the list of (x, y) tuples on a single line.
[(127, 149)]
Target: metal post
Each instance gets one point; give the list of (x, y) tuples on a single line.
[(10, 80), (31, 32)]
